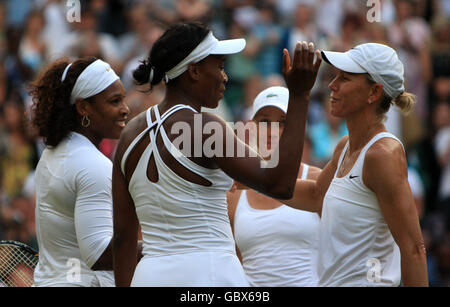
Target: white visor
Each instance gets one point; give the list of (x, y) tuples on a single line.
[(209, 45), (229, 46)]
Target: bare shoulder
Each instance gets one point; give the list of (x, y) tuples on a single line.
[(338, 149), (384, 151), (135, 126), (384, 159)]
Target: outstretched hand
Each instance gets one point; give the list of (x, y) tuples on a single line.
[(301, 75)]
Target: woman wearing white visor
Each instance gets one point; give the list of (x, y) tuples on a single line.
[(76, 105), (177, 191), (370, 233), (277, 244)]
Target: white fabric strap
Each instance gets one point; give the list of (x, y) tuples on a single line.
[(93, 80), (199, 53), (65, 72)]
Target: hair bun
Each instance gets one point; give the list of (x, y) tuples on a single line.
[(142, 74)]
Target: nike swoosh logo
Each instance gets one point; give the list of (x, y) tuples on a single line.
[(352, 177)]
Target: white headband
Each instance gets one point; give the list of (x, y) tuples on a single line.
[(199, 53), (93, 80)]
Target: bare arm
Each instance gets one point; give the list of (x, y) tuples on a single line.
[(126, 249), (309, 194), (386, 160), (277, 177)]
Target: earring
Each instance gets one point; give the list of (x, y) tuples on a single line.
[(85, 122)]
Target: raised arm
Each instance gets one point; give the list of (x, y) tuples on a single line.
[(386, 174), (277, 177)]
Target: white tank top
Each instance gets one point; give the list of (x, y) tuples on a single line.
[(356, 247), (178, 216), (278, 246)]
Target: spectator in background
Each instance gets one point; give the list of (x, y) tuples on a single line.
[(410, 35), (269, 33), (303, 28), (442, 148), (352, 32), (240, 66), (32, 47), (193, 10), (18, 217), (18, 73), (57, 29), (325, 134), (86, 41), (17, 151)]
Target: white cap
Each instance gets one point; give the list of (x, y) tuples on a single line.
[(275, 96), (379, 61)]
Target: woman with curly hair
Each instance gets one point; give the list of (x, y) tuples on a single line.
[(75, 106)]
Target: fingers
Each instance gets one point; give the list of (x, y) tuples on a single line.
[(296, 61), (318, 60), (304, 55), (286, 61), (310, 55)]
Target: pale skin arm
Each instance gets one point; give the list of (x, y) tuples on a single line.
[(309, 194), (386, 159)]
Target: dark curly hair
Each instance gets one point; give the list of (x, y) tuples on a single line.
[(170, 49), (52, 113)]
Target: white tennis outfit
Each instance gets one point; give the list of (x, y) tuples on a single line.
[(187, 237), (356, 247), (73, 214), (278, 246)]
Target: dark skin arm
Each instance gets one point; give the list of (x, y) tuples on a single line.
[(125, 244), (278, 179), (105, 262), (300, 77)]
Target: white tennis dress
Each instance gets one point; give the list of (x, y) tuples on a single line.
[(356, 247), (278, 246), (187, 237), (73, 214)]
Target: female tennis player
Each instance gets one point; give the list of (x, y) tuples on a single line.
[(179, 199), (76, 105), (277, 244), (370, 233)]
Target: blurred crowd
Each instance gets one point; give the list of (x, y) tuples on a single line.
[(121, 32)]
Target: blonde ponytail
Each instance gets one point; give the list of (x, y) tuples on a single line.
[(405, 102)]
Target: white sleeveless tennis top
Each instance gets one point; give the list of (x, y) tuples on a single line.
[(175, 215), (278, 246), (356, 247)]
